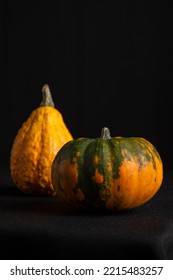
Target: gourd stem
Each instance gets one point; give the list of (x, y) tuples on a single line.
[(105, 134), (47, 97)]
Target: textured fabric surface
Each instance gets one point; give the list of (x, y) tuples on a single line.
[(45, 228)]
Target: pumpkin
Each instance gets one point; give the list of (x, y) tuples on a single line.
[(35, 146), (109, 173)]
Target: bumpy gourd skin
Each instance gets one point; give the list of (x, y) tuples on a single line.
[(113, 173), (34, 149)]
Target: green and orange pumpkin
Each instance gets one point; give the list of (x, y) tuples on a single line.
[(112, 173)]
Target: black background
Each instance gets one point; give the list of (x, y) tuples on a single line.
[(107, 64)]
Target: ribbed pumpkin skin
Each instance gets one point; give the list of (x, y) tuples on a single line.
[(114, 174), (34, 148)]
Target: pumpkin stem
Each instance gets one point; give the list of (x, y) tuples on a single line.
[(105, 134), (47, 97)]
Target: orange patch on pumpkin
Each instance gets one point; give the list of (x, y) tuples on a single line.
[(78, 154), (69, 178), (79, 195), (137, 185), (98, 178), (96, 159), (109, 167)]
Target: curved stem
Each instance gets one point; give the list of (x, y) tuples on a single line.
[(47, 97), (105, 134)]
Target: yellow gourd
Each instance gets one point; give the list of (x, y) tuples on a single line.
[(35, 146)]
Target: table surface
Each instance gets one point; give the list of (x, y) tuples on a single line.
[(45, 228)]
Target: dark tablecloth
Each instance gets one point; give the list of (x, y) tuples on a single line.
[(45, 228)]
